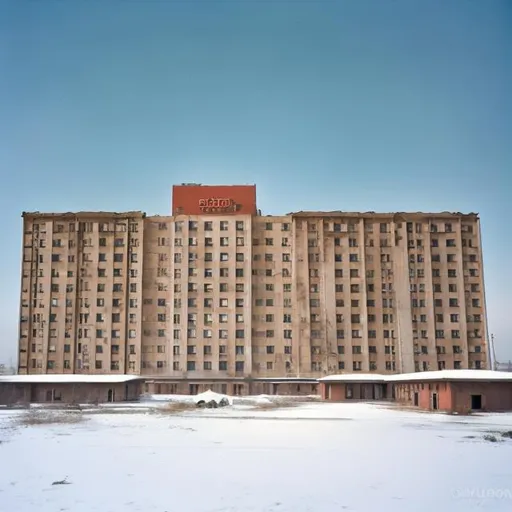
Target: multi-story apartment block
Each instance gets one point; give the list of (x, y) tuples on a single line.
[(218, 293), (81, 292)]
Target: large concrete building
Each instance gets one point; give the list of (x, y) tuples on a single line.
[(218, 294)]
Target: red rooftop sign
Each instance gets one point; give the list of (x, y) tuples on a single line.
[(214, 199)]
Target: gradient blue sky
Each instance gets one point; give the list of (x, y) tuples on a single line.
[(352, 105)]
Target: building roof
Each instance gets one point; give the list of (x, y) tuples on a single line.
[(67, 379), (83, 215), (284, 380), (354, 377), (481, 375), (387, 215), (468, 375)]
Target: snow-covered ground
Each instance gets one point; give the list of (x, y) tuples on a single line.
[(316, 457)]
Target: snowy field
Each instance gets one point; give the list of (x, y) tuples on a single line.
[(315, 457)]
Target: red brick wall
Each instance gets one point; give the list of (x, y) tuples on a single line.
[(200, 199), (496, 396), (336, 392), (456, 396), (404, 393)]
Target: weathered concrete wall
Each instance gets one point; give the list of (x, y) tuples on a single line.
[(11, 394), (67, 393), (339, 391), (241, 388)]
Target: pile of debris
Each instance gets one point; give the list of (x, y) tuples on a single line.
[(211, 400)]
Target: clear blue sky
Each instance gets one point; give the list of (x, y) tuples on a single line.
[(353, 105)]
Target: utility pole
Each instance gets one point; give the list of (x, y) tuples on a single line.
[(494, 363)]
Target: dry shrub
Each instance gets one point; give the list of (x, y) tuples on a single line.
[(177, 407), (42, 417), (118, 410)]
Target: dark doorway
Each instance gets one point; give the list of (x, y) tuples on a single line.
[(476, 402), (416, 399), (111, 396), (33, 393), (435, 404), (274, 389)]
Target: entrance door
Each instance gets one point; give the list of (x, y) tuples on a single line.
[(111, 395), (435, 404), (476, 402), (416, 399), (33, 393)]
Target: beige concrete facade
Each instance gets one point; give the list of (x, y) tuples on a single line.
[(240, 296), (81, 293)]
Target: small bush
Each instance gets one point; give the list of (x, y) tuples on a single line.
[(491, 438), (507, 434)]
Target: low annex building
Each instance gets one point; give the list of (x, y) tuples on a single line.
[(238, 387), (457, 391), (460, 391), (68, 389), (80, 388), (353, 386)]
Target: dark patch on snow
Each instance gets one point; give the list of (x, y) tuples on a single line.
[(62, 482)]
